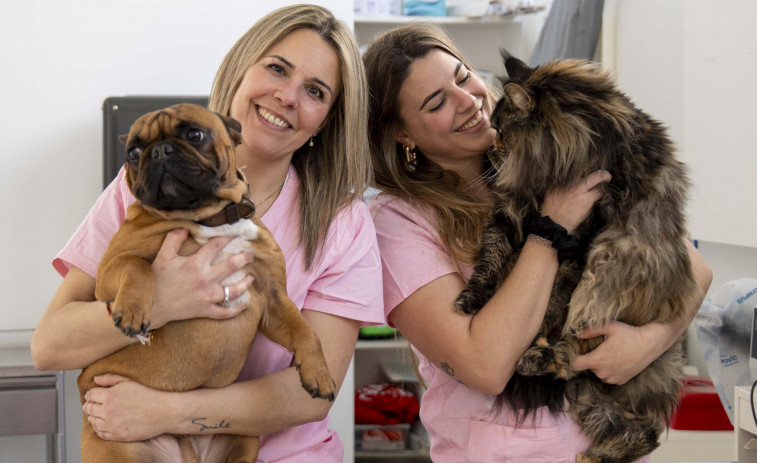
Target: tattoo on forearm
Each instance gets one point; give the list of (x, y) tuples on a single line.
[(204, 427)]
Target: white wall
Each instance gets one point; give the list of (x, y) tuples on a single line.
[(691, 64), (58, 61)]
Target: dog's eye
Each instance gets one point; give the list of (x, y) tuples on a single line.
[(195, 135), (133, 153)]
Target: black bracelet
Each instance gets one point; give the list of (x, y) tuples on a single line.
[(568, 246)]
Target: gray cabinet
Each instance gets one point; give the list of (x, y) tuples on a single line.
[(32, 403)]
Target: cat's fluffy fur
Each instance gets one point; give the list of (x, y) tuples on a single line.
[(555, 124)]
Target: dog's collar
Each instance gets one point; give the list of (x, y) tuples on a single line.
[(230, 214)]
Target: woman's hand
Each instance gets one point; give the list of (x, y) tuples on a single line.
[(625, 351), (125, 411), (190, 287), (570, 206)]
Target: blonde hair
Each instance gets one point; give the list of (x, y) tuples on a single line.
[(460, 216), (336, 170)]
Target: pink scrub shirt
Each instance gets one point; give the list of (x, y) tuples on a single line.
[(345, 282), (459, 420)]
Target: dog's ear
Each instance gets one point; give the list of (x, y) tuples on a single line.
[(234, 127), (516, 69), (123, 138), (520, 98)]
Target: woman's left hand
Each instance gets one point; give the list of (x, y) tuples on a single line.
[(123, 410), (625, 351)]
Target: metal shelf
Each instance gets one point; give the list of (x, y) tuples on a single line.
[(399, 19), (404, 455), (389, 343)]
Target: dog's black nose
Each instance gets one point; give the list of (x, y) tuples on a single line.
[(162, 150)]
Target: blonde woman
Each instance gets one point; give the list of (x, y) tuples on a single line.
[(296, 82)]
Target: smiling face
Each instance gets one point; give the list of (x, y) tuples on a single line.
[(285, 97), (445, 110)]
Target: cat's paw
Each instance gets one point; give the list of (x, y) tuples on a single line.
[(538, 360), (468, 302), (582, 458)]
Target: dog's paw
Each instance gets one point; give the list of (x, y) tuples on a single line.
[(130, 319), (316, 380), (467, 302)]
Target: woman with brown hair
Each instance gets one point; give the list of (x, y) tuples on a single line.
[(430, 137)]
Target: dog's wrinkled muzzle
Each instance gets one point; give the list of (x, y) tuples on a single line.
[(167, 183)]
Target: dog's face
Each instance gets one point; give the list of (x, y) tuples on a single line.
[(180, 162)]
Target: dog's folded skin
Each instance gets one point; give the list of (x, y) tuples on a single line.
[(190, 354)]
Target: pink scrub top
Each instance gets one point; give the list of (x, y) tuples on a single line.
[(345, 282), (459, 420)]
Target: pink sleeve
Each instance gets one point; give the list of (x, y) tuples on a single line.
[(89, 242), (350, 285), (412, 254)]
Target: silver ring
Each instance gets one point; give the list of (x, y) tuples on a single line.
[(225, 295)]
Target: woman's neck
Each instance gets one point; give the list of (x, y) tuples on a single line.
[(472, 177), (265, 179)]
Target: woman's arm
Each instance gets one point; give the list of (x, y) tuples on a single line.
[(76, 331), (127, 411), (627, 350), (482, 350)]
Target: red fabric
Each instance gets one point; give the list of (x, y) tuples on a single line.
[(384, 404)]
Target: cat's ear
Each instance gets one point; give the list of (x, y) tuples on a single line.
[(516, 69), (520, 98)]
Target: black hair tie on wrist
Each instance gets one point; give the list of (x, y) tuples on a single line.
[(568, 246)]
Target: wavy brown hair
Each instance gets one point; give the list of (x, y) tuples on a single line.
[(336, 170), (460, 216)]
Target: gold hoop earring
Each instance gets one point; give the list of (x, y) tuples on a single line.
[(410, 155)]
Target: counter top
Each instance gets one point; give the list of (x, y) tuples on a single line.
[(16, 355)]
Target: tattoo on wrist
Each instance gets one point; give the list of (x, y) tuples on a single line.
[(205, 427)]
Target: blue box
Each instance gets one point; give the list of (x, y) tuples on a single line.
[(424, 8)]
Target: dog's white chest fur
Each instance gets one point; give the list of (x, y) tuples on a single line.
[(243, 231)]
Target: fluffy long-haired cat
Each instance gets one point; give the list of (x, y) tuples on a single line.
[(555, 124)]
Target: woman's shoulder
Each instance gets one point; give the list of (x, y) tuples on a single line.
[(351, 238), (354, 218), (91, 238), (388, 209), (381, 202)]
